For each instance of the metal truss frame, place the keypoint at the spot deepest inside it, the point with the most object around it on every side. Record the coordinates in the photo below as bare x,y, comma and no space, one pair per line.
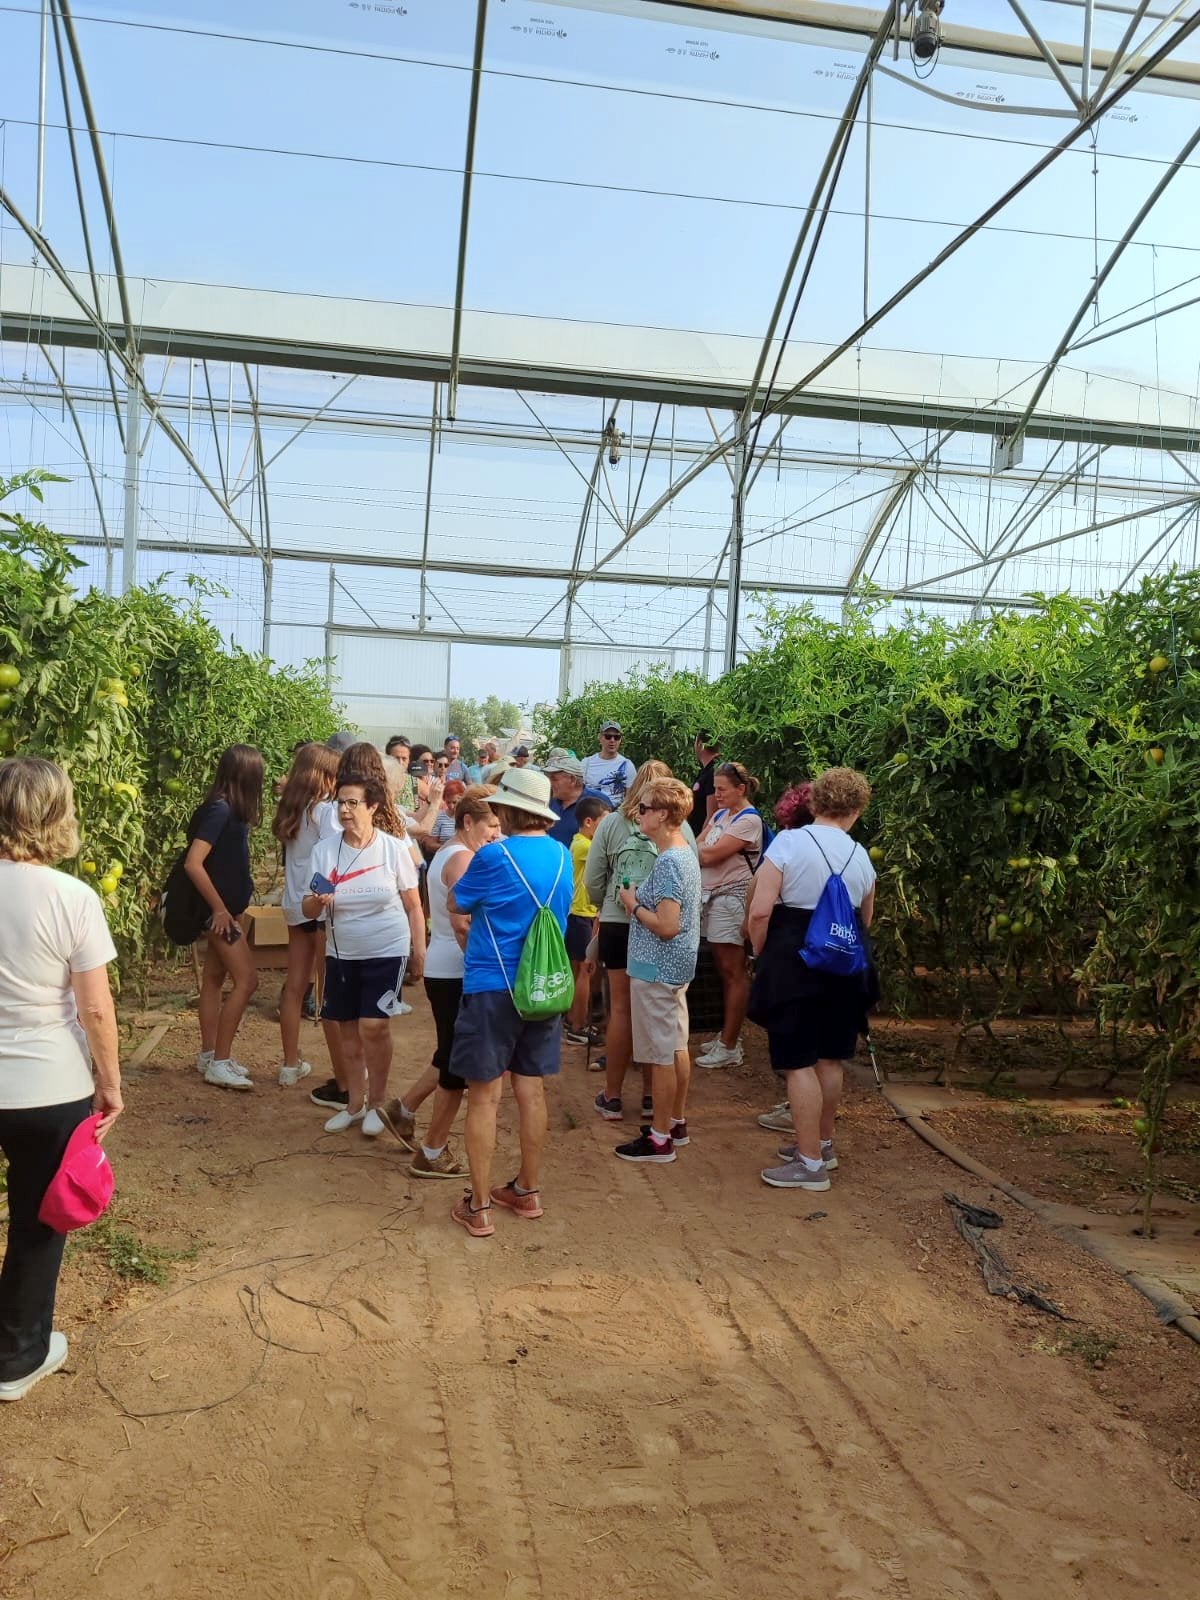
1092,82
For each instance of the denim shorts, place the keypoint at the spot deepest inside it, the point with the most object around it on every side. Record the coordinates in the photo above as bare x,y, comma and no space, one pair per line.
491,1038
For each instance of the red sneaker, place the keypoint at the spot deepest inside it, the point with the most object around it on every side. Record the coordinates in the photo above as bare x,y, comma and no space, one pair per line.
479,1223
528,1205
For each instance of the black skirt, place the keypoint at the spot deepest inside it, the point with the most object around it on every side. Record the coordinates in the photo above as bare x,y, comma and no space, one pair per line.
808,1016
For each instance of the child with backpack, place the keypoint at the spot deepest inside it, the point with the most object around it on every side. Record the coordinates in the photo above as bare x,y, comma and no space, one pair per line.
581,924
813,901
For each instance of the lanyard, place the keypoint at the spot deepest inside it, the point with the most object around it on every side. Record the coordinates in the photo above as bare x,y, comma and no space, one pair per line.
338,874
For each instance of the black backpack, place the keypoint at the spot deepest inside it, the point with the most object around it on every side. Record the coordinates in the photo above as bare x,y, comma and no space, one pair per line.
182,909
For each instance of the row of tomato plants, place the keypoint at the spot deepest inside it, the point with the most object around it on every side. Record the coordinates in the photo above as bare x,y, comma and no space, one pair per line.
135,696
1036,810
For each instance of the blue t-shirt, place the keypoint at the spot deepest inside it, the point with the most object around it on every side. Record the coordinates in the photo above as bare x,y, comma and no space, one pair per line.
675,875
567,826
491,889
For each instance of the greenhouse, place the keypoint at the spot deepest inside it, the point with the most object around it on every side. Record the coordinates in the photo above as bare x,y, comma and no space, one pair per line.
799,299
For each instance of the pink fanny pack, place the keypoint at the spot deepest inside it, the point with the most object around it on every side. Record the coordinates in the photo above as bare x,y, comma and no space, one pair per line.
82,1187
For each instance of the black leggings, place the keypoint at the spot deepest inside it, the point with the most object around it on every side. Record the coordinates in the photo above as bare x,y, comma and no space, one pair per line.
34,1142
445,997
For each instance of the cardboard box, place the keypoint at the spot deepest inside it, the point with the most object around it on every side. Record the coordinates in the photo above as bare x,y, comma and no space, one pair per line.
267,935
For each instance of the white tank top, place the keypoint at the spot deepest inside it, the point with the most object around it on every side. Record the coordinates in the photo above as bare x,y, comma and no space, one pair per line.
444,957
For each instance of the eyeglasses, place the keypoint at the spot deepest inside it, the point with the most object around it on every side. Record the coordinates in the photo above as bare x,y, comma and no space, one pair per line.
353,805
642,810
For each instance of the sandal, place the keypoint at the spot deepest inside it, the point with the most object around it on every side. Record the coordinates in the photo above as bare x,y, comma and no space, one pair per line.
478,1223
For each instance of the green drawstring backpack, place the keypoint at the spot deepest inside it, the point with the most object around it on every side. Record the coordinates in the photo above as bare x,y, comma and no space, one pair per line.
545,983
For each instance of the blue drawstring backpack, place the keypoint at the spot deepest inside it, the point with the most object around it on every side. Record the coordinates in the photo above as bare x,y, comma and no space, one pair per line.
833,943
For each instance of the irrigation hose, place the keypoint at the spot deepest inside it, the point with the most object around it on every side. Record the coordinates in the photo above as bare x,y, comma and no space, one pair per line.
1169,1307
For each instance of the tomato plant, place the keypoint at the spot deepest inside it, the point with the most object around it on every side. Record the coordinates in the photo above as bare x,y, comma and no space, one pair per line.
135,697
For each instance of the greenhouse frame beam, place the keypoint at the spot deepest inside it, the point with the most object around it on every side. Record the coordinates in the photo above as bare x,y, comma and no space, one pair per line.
1049,57
464,226
563,575
880,525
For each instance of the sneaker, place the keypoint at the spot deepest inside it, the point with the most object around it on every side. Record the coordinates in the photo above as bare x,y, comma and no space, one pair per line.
679,1135
289,1077
597,1063
345,1119
227,1075
778,1119
403,1009
477,1223
328,1094
18,1388
443,1166
721,1057
645,1148
796,1175
709,1045
204,1060
791,1152
525,1205
401,1126
647,1105
372,1124
610,1110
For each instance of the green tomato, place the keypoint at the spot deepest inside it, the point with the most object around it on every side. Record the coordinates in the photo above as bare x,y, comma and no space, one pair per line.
1016,928
9,677
900,759
115,870
1016,808
176,753
90,868
8,739
875,853
1141,1127
6,702
173,786
1158,663
109,884
1003,921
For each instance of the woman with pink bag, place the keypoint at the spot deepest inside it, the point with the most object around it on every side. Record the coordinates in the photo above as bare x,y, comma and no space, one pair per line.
58,1050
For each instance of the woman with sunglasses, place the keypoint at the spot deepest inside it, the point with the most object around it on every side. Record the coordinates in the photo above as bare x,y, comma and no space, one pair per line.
664,939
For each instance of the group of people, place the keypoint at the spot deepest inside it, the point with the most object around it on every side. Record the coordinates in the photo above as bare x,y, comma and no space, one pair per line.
410,865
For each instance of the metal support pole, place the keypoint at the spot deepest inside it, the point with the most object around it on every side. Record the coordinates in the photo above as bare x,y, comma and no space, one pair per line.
737,531
573,583
329,629
43,47
422,617
133,412
708,623
1085,68
1047,54
268,580
465,219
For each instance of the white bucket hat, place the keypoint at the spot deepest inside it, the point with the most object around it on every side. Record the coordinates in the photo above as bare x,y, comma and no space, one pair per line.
525,790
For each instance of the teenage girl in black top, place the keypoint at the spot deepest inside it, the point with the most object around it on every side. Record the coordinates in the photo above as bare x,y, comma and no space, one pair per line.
218,863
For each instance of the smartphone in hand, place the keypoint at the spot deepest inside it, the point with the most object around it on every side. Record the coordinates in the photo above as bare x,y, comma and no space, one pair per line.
321,885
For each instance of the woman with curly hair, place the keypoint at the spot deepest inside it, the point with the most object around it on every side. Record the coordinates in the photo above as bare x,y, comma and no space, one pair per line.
812,1018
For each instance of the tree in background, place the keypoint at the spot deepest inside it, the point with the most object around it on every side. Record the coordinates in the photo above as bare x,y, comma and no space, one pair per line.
472,720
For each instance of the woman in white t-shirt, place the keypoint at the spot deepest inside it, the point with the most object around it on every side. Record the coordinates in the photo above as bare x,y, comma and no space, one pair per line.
813,1018
304,816
475,824
375,931
58,1048
730,846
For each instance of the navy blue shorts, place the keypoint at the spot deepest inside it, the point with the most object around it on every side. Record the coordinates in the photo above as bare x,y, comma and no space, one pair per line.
579,936
355,989
491,1038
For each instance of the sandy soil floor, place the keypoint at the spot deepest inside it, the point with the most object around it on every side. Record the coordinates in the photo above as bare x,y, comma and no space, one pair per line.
679,1382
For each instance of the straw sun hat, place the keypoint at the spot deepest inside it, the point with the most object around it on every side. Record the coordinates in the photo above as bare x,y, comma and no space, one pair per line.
523,790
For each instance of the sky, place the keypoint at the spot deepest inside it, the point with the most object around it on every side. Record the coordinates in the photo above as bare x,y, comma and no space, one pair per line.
325,157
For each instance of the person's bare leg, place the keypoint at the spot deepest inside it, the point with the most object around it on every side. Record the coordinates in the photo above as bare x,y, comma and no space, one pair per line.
829,1076
354,1066
483,1100
333,1043
577,1015
683,1078
208,1006
302,955
663,1091
730,962
619,1043
530,1095
445,1108
804,1097
421,1090
376,1035
238,960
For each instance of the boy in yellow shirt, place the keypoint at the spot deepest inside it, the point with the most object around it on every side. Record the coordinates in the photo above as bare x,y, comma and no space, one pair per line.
581,924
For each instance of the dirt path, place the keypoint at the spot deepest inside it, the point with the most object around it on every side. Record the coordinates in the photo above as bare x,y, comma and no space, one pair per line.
678,1383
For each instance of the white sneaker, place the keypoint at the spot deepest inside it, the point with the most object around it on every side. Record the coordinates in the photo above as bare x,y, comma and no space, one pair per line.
18,1388
404,1009
372,1124
290,1076
707,1048
227,1075
205,1060
778,1119
721,1057
341,1120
